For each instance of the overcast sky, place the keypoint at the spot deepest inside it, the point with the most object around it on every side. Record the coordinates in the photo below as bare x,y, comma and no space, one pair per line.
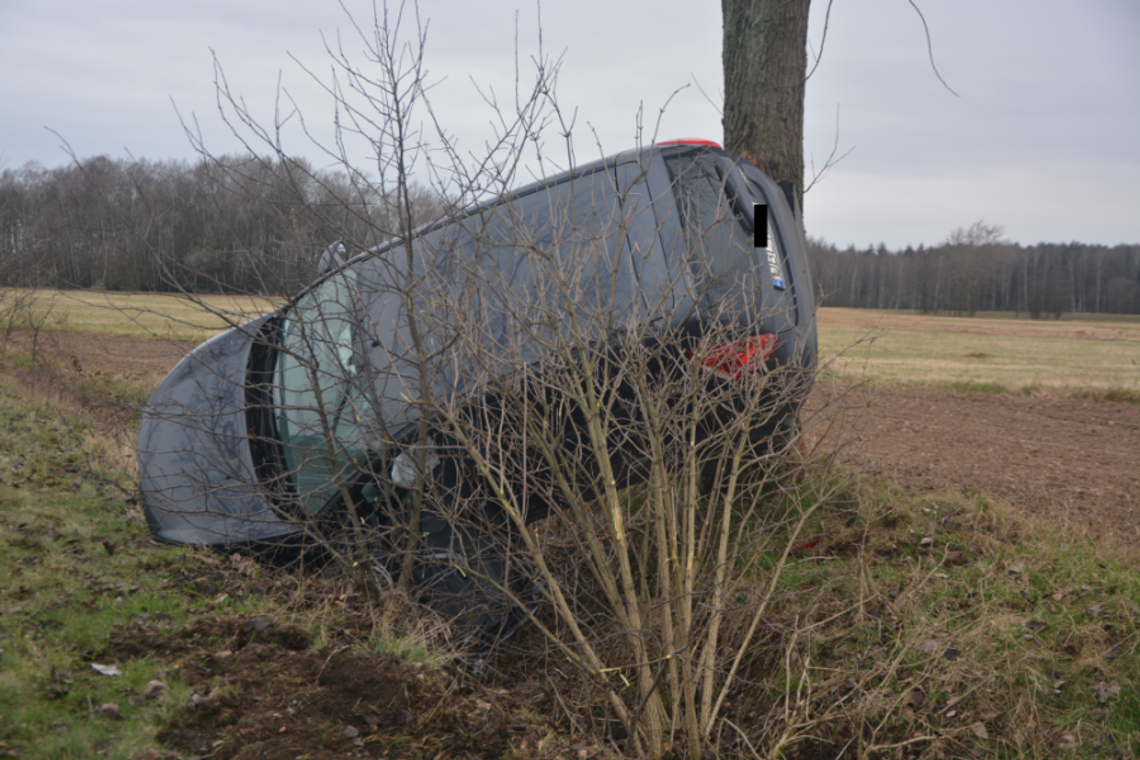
1044,138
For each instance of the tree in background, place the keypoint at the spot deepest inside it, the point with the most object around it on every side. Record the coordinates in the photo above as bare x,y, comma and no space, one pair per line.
975,271
975,267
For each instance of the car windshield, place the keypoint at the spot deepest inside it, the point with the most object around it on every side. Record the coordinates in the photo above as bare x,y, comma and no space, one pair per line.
323,412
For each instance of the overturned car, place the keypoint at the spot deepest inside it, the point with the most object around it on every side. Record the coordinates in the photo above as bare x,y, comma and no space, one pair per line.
463,370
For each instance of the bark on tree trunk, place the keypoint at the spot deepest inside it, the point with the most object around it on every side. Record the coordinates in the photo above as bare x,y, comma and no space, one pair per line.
765,62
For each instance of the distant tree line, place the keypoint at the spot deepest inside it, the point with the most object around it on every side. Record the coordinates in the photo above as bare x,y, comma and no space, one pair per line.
975,270
256,225
221,224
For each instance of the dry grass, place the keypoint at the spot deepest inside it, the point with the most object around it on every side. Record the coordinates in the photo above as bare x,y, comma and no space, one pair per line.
937,626
146,315
107,438
995,353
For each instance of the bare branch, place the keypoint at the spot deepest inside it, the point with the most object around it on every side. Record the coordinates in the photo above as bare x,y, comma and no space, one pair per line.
822,41
831,160
930,48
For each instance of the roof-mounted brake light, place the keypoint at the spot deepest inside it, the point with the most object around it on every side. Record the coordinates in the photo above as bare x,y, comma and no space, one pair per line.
691,141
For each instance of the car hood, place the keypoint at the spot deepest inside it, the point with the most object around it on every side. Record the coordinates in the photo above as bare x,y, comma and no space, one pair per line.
196,472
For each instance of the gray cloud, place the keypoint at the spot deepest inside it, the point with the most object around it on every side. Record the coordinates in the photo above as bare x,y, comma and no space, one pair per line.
1044,138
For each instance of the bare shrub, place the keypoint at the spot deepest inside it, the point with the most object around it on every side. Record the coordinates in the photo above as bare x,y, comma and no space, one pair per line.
420,412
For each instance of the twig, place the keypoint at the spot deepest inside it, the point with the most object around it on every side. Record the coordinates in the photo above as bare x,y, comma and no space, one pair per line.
822,41
831,160
930,49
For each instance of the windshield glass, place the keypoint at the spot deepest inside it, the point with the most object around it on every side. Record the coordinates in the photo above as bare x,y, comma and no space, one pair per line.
323,413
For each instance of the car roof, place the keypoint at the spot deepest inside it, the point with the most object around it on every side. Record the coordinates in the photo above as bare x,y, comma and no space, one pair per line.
581,170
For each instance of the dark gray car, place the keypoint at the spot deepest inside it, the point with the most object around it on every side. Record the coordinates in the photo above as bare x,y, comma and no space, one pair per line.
261,428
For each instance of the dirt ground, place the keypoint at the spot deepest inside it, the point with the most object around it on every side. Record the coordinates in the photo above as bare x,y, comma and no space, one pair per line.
260,689
1074,460
145,361
1071,459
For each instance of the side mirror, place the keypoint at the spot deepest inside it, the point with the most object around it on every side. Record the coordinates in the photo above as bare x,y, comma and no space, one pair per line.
332,258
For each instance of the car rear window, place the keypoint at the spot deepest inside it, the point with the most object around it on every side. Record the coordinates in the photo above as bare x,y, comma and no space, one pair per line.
717,235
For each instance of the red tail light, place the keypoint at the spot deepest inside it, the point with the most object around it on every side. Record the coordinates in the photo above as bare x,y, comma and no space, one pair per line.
738,357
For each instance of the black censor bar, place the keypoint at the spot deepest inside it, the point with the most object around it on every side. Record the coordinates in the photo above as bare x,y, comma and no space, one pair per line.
760,225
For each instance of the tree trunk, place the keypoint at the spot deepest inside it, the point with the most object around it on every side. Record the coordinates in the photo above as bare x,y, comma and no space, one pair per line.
765,62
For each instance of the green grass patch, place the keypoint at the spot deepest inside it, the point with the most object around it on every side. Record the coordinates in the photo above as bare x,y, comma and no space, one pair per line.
950,624
82,584
1115,395
407,648
974,386
77,564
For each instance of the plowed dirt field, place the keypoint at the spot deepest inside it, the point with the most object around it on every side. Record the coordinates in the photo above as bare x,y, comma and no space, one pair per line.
1073,460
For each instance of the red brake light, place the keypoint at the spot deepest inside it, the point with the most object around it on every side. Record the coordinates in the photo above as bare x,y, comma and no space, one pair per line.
741,356
691,141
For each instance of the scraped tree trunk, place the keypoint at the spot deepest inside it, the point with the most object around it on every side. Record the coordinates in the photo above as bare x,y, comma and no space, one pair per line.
765,62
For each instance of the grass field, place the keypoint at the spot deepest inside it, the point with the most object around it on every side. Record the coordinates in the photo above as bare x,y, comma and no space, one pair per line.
910,625
993,353
137,315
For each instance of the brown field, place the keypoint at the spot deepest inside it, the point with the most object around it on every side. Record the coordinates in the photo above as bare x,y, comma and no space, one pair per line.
1036,436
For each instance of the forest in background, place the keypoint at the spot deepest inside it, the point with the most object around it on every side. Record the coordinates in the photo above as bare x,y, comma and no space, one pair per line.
218,225
244,224
975,270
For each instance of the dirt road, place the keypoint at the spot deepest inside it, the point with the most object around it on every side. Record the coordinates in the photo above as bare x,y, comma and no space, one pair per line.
1073,460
